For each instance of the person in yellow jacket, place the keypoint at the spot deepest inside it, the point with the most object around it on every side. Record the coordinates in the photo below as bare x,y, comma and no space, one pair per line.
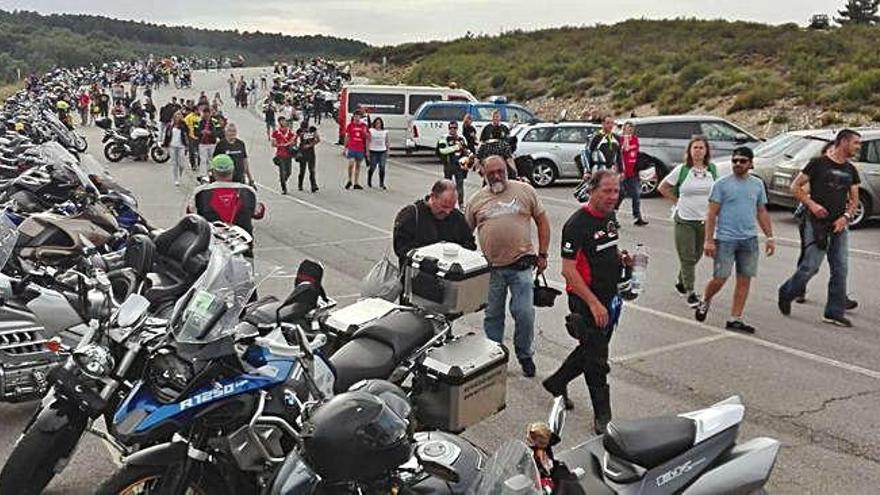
190,119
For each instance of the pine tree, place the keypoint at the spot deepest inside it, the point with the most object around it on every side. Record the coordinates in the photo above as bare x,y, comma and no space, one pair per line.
859,12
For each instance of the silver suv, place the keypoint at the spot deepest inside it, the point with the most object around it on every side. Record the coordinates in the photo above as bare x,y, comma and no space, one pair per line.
663,140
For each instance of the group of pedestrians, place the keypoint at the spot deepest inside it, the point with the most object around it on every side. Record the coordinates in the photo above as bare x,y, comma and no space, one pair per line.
365,141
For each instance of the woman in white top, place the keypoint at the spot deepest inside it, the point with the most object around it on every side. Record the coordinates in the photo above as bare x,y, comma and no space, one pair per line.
377,146
688,187
175,140
218,102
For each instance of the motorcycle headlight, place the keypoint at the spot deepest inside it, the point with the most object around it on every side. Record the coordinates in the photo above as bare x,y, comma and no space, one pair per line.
94,360
168,375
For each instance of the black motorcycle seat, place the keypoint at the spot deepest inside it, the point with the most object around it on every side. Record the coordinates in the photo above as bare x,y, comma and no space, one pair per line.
185,244
403,332
649,442
361,359
263,312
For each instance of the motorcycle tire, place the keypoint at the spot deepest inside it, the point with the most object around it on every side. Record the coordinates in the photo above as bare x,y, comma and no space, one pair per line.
159,154
36,457
80,144
129,478
114,152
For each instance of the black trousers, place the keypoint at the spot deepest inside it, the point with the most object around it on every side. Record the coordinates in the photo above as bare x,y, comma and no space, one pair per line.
455,173
284,171
589,358
307,161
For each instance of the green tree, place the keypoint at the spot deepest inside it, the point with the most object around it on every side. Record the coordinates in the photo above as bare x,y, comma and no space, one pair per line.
859,12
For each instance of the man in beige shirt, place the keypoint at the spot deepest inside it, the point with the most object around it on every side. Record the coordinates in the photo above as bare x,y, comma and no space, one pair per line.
503,212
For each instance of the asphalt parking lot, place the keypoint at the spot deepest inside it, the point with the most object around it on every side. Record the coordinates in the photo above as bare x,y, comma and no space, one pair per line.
813,386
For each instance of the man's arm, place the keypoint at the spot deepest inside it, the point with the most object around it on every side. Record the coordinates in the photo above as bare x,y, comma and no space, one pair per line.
711,221
580,289
767,228
404,237
543,223
799,191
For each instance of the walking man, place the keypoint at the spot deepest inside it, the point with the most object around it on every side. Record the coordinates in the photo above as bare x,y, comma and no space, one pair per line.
731,237
833,195
591,266
503,212
207,130
282,139
235,148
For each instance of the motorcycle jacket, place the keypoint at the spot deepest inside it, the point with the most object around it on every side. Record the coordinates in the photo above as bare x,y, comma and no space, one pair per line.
228,202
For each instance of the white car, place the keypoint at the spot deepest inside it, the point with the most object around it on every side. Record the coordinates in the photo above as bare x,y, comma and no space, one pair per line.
431,121
553,148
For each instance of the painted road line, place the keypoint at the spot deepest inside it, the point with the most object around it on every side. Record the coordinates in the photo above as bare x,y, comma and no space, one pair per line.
668,348
322,244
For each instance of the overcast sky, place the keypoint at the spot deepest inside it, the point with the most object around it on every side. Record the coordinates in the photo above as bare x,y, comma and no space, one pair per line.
381,22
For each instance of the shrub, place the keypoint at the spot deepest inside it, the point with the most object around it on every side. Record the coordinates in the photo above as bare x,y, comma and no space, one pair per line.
830,119
693,72
862,88
759,96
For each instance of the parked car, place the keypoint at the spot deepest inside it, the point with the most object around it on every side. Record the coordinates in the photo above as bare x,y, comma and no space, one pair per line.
553,148
779,148
867,163
430,121
663,141
394,104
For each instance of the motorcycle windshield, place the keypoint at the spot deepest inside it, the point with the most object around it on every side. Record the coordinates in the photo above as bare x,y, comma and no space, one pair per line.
8,238
216,299
512,470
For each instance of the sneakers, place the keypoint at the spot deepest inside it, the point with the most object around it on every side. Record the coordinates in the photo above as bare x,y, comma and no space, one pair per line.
800,299
739,326
693,300
701,311
640,222
840,321
348,185
679,287
176,183
569,405
358,186
528,367
851,304
314,189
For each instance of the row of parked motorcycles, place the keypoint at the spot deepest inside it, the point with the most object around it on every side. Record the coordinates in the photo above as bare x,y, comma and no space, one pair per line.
155,341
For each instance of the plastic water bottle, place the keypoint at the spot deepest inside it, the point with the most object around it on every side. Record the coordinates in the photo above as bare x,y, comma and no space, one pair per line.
640,269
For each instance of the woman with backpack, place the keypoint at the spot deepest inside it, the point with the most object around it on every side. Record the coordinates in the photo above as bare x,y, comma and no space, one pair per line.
688,187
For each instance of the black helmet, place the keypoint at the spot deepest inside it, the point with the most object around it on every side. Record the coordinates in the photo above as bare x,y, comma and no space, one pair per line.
356,436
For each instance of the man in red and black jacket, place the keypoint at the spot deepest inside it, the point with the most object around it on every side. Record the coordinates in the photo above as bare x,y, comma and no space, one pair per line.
591,265
227,201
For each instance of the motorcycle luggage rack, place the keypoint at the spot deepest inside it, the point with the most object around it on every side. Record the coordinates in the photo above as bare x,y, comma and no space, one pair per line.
233,236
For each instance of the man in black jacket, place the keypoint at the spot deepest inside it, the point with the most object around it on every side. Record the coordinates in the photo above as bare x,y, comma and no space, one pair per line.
166,114
431,220
604,149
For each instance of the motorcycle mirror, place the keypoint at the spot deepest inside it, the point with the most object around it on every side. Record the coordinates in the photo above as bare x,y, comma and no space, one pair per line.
132,310
557,416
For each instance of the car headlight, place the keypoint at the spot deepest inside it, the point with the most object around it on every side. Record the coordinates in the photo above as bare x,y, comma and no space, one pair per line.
94,360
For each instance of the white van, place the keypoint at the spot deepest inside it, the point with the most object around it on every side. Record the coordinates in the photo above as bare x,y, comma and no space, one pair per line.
394,104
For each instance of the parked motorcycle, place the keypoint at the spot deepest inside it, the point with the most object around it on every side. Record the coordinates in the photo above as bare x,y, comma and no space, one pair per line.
135,142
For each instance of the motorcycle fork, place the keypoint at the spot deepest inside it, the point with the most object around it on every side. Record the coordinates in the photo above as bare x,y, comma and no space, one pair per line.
175,481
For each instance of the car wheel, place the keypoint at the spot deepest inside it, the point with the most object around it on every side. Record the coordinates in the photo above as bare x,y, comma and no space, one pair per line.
543,173
861,214
649,180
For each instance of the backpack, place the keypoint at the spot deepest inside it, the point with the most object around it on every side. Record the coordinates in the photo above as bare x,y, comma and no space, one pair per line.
683,173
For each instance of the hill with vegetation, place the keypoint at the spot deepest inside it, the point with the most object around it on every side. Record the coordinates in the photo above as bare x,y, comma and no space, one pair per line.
665,67
33,42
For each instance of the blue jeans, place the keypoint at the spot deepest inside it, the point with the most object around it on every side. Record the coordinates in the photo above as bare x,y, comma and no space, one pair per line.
377,159
632,188
811,260
520,283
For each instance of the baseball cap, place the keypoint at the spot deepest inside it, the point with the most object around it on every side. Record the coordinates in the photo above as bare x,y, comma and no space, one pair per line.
744,151
222,164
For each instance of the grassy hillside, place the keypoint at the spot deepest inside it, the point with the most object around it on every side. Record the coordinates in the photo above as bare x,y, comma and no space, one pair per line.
34,42
674,66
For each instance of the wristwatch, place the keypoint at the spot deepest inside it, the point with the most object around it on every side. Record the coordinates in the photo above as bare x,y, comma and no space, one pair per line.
847,216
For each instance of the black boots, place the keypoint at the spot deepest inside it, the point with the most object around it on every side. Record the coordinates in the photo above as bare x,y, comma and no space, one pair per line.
601,399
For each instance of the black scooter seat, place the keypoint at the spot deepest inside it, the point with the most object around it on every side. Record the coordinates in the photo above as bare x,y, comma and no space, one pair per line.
649,442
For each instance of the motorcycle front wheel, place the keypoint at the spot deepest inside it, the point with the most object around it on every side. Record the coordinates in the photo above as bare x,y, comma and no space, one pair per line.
80,144
141,480
159,154
39,454
114,152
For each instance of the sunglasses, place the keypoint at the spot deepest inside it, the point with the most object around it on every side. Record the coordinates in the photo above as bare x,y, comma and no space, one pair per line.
452,128
738,161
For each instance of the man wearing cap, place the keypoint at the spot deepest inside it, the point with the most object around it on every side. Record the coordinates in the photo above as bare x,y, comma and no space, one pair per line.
735,202
226,200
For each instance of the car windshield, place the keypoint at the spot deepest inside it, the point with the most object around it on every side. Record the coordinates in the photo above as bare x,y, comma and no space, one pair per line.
811,148
776,144
216,300
511,470
8,238
484,112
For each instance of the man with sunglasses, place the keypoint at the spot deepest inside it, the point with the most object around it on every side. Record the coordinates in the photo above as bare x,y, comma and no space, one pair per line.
735,202
451,149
